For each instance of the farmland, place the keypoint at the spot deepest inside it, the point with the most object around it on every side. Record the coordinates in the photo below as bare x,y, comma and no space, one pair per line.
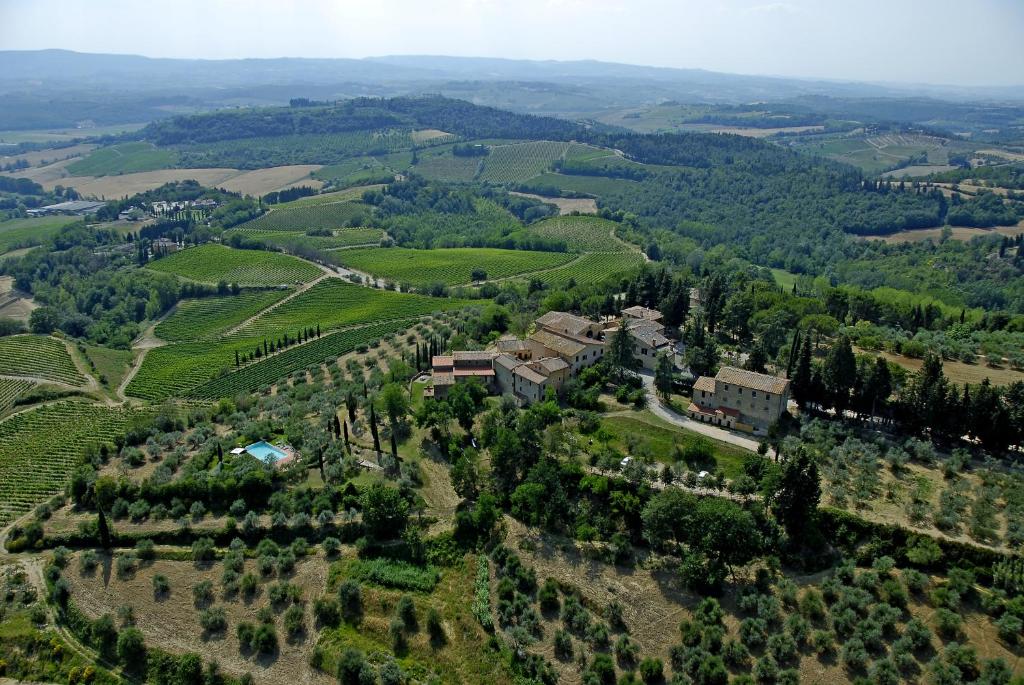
289,241
447,167
594,267
315,217
211,316
16,233
334,303
40,447
349,194
214,263
38,356
321,149
581,233
125,158
589,185
521,161
450,266
10,390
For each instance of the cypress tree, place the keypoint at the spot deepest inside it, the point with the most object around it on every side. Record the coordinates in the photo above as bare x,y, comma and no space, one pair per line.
337,427
344,427
802,380
373,430
236,359
264,346
102,528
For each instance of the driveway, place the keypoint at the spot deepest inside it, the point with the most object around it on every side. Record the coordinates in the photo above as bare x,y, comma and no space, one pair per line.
715,432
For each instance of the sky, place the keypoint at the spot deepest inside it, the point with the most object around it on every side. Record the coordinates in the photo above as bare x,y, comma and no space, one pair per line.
980,42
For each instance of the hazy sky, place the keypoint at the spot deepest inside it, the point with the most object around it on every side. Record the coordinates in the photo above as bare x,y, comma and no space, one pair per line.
978,42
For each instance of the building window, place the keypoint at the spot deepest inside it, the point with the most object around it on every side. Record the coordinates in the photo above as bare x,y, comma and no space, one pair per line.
739,391
727,387
753,393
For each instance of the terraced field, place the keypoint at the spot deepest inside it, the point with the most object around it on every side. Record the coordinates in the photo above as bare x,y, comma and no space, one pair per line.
594,268
343,237
581,233
10,390
319,216
334,303
451,266
521,161
209,317
39,448
212,263
38,356
16,233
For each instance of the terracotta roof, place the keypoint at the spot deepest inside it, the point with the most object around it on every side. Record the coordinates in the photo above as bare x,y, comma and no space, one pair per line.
638,312
472,355
558,343
649,336
442,360
752,380
529,374
705,383
473,372
565,322
507,361
510,345
551,364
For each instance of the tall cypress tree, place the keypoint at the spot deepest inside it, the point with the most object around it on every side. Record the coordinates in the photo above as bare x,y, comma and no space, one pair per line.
373,430
344,427
802,379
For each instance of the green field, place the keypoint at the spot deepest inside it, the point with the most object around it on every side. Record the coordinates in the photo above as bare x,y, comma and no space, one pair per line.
784,278
177,369
451,266
38,356
319,216
661,440
124,158
334,303
347,195
445,166
594,267
589,185
340,238
211,317
17,233
581,233
212,263
521,161
39,449
10,390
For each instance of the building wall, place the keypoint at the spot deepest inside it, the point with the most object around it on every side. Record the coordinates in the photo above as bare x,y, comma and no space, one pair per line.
504,379
591,355
757,408
647,356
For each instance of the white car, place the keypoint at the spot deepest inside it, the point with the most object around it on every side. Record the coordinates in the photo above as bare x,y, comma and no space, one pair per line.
626,462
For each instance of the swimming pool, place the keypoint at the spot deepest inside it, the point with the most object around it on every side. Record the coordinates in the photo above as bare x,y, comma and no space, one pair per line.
265,452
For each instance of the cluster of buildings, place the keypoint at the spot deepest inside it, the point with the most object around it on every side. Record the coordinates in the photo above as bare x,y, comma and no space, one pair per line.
168,206
72,207
562,345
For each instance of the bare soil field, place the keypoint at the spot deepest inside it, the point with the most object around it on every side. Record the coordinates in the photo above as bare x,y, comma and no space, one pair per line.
14,304
172,622
566,205
958,233
262,181
427,135
38,157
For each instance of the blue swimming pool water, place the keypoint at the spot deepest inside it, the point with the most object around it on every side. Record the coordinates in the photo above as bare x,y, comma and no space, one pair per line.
265,452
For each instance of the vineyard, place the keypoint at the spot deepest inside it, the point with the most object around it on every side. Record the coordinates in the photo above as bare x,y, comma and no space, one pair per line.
38,356
15,233
212,316
126,158
255,376
334,303
581,233
594,267
39,449
312,217
521,161
175,370
268,151
447,167
214,263
10,390
341,238
347,195
450,266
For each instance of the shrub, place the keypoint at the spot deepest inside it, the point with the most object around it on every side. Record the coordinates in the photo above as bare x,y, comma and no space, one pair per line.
131,648
294,620
264,640
1010,628
947,623
735,654
406,613
397,574
598,636
548,596
331,547
854,655
783,647
88,561
651,670
203,550
125,565
249,584
435,628
391,673
563,644
245,632
350,599
396,630
625,649
327,611
614,615
917,634
753,632
799,628
213,620
915,581
234,561
161,586
766,670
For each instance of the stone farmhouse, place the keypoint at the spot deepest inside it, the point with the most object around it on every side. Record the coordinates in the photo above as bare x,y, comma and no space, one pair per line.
739,399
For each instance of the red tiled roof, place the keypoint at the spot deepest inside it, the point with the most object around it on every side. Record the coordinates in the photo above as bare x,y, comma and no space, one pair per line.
473,372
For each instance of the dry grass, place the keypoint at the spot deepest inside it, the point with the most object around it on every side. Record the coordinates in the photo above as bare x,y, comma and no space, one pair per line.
959,372
47,176
427,135
566,205
262,181
956,233
49,155
172,622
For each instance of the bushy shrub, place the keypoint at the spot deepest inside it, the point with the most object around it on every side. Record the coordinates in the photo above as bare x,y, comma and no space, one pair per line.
854,654
563,644
783,647
651,670
406,613
735,654
294,620
202,593
203,550
947,623
161,586
145,549
213,620
350,599
327,611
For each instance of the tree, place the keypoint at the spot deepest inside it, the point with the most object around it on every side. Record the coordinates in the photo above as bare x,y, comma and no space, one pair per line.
839,374
792,493
465,400
104,493
620,353
131,649
664,374
385,511
878,385
373,430
395,404
803,379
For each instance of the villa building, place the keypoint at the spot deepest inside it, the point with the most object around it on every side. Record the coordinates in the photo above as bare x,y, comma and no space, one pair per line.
740,399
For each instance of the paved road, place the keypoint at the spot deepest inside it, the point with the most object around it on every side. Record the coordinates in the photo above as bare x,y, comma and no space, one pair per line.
717,433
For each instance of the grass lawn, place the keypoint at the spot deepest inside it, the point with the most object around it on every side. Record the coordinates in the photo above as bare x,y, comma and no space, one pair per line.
111,364
661,438
784,278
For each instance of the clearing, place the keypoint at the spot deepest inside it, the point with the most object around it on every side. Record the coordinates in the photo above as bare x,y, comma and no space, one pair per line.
566,205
